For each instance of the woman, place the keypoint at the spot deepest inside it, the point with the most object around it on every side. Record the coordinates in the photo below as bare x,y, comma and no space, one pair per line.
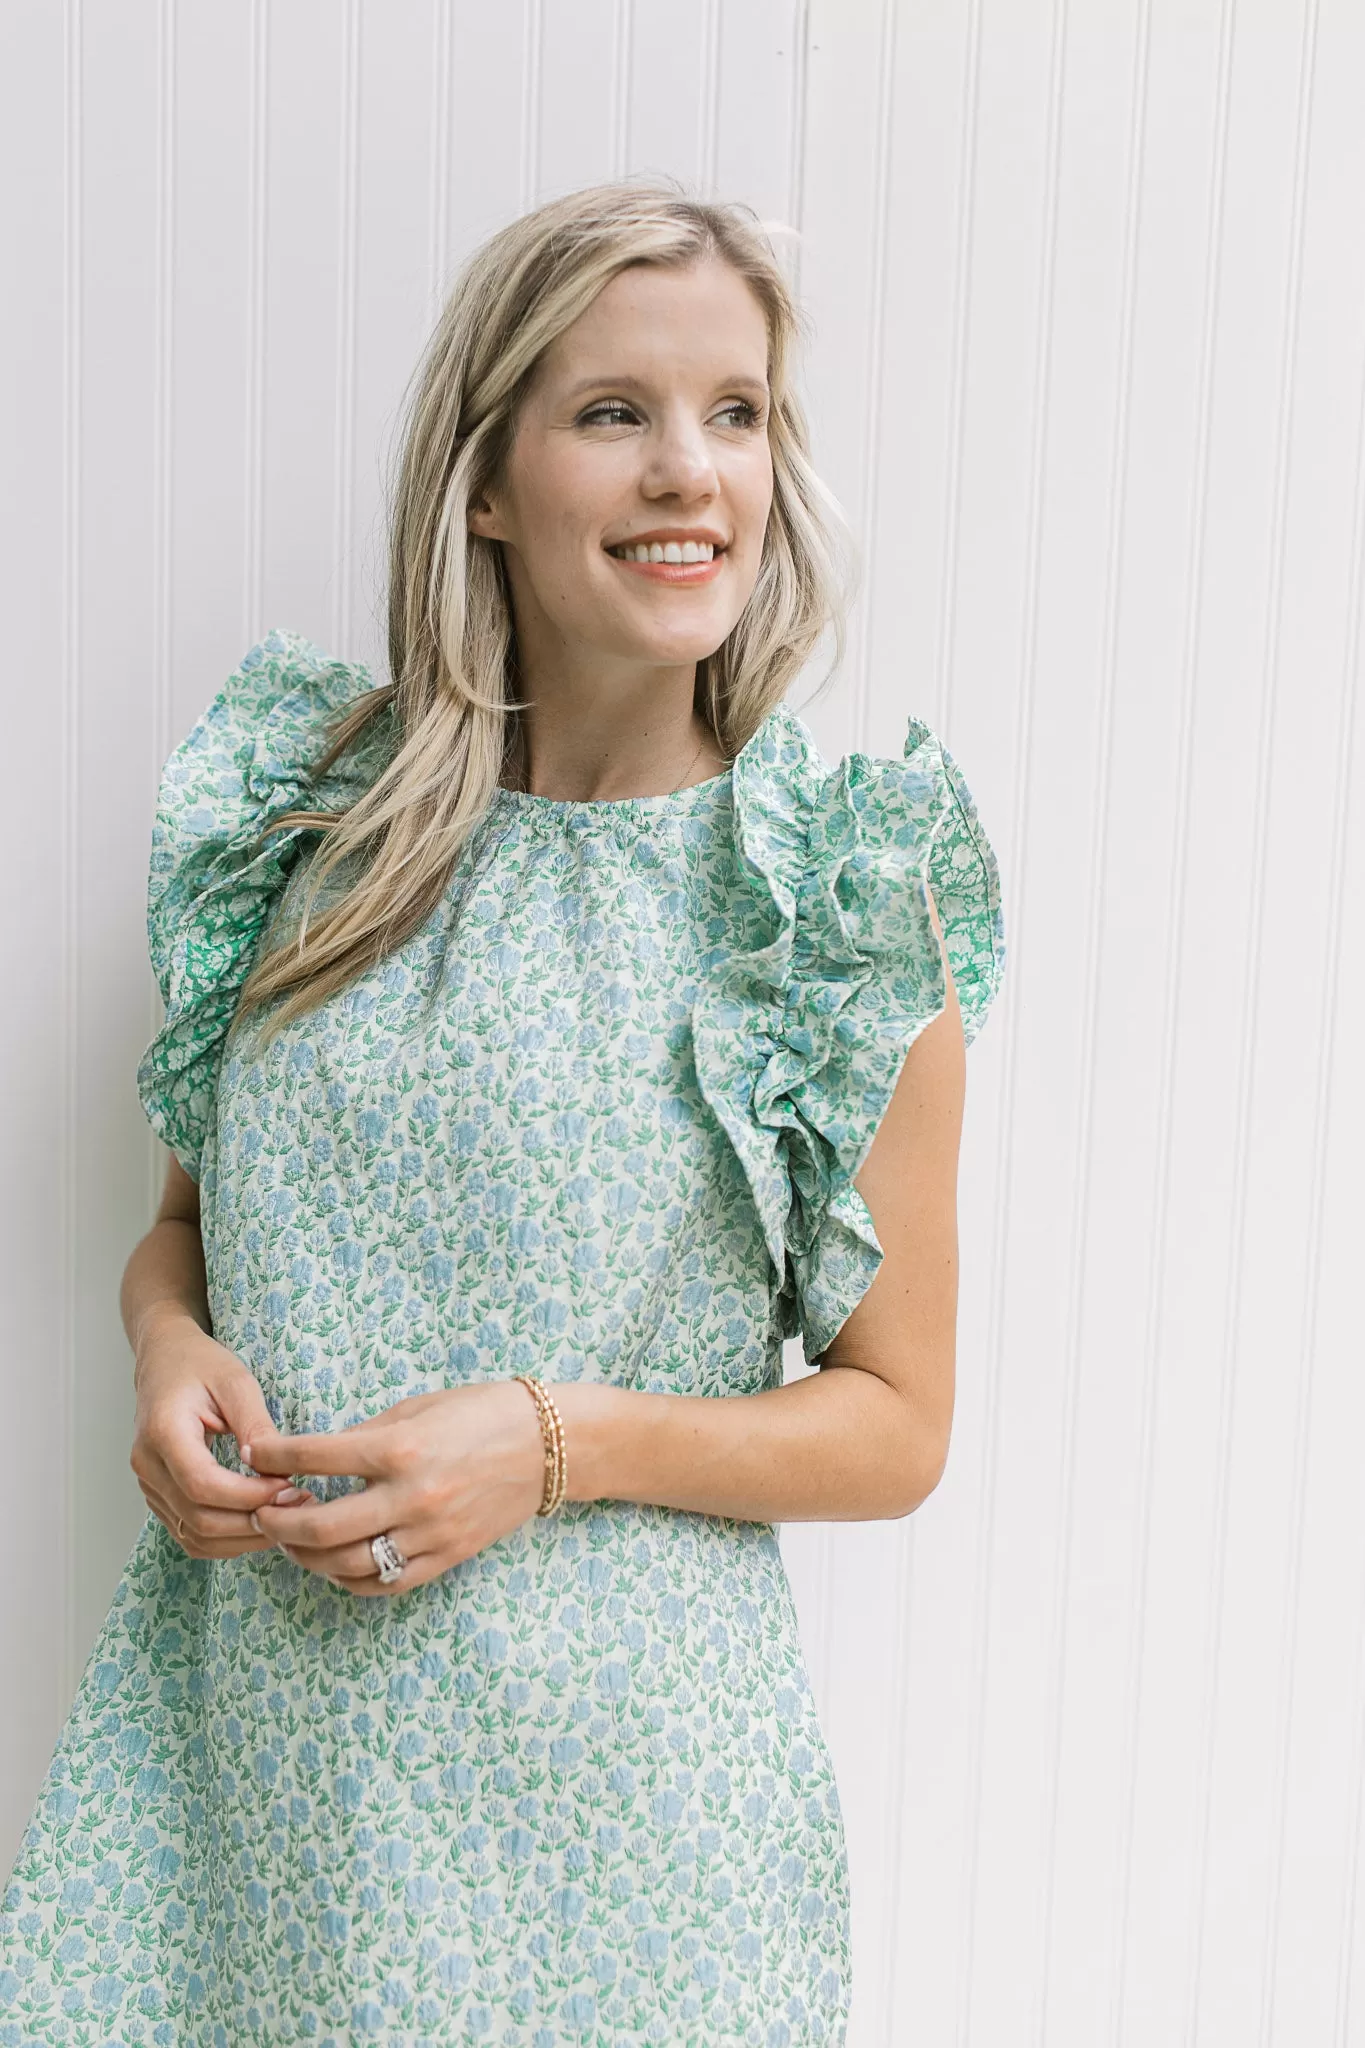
549,1034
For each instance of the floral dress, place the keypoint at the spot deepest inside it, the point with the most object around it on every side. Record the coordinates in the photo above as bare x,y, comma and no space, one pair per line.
598,1118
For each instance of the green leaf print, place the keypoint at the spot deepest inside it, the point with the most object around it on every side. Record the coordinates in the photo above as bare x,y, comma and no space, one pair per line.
598,1118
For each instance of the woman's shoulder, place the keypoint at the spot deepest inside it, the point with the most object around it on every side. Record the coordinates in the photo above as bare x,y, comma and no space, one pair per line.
829,970
843,853
216,869
262,727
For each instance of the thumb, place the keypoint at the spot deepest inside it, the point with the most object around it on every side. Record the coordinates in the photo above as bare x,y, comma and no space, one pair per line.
244,1411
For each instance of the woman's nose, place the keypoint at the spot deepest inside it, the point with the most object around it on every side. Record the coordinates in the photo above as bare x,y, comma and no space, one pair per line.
681,460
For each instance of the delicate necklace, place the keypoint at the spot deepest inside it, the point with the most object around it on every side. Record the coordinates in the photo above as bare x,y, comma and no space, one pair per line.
688,770
677,785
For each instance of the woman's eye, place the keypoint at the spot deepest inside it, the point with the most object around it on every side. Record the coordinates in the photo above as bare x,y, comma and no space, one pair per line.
750,412
599,414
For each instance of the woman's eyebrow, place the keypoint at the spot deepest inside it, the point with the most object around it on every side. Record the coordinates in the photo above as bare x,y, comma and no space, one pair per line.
742,382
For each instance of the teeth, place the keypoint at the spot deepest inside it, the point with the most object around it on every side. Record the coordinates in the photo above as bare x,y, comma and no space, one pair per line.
666,551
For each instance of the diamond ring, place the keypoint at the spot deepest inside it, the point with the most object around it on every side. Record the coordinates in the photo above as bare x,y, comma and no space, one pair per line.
388,1557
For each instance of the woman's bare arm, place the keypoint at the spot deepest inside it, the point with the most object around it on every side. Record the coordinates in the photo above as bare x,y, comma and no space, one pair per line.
163,1282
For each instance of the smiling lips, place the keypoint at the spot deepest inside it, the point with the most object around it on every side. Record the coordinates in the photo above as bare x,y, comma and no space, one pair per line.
670,561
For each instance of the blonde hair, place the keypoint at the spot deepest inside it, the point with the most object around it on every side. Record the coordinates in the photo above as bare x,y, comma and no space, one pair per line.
451,638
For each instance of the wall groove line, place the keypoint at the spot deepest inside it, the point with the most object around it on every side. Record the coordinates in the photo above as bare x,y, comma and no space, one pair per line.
869,524
796,156
1154,1292
708,97
979,1683
530,105
162,712
257,275
870,467
1284,1706
1245,1082
1038,476
348,287
622,98
1351,668
70,642
439,164
1119,473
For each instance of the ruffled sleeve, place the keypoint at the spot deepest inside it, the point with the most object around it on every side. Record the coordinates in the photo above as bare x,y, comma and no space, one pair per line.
829,972
210,887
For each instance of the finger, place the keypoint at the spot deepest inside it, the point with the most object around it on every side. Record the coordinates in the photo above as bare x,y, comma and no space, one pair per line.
328,1525
160,1508
178,1529
206,1523
368,1585
222,1546
354,1452
164,1509
190,1470
244,1411
182,1514
205,1495
185,1469
350,1560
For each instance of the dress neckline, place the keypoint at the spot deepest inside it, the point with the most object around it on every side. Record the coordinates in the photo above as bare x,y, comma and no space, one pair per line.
615,806
778,719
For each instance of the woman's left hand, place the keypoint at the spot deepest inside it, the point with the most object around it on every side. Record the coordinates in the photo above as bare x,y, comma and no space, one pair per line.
445,1474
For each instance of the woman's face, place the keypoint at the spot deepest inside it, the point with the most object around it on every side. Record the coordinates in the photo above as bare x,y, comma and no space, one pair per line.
647,420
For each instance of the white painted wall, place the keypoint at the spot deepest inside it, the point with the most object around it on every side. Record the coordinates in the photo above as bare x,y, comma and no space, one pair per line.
1089,282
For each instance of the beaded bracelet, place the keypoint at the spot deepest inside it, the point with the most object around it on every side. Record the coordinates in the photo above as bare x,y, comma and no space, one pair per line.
556,1457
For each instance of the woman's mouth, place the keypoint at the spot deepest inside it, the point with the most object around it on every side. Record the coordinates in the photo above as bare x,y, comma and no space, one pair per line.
670,561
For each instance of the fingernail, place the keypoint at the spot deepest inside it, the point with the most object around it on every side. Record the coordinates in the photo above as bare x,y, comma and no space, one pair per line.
289,1496
246,1454
256,1523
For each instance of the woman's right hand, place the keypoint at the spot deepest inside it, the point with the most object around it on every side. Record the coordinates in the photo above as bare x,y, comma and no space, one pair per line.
189,1387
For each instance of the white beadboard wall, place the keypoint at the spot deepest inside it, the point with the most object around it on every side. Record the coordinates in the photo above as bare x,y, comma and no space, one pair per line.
1089,285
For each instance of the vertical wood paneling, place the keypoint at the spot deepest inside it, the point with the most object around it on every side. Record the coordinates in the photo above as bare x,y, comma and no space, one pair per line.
66,1092
1105,97
304,228
161,729
1176,315
1088,374
349,168
1250,1577
402,91
114,350
33,1250
1307,1948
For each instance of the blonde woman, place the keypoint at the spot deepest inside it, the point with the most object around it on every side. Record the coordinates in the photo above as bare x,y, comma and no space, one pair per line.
549,1034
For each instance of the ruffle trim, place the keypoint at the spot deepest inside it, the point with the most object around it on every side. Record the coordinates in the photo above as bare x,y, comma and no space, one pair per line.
210,891
808,1010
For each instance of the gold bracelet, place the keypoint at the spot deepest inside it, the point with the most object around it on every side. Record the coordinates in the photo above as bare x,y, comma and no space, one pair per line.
556,1456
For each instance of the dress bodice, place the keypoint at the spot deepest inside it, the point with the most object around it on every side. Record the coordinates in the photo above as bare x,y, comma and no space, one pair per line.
602,1112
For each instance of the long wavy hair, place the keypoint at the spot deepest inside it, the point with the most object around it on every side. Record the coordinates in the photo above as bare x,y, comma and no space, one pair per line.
448,719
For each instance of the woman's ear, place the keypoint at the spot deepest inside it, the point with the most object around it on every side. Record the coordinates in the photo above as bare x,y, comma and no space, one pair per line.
482,520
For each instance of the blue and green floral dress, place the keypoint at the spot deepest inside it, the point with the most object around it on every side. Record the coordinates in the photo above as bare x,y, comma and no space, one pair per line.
598,1118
